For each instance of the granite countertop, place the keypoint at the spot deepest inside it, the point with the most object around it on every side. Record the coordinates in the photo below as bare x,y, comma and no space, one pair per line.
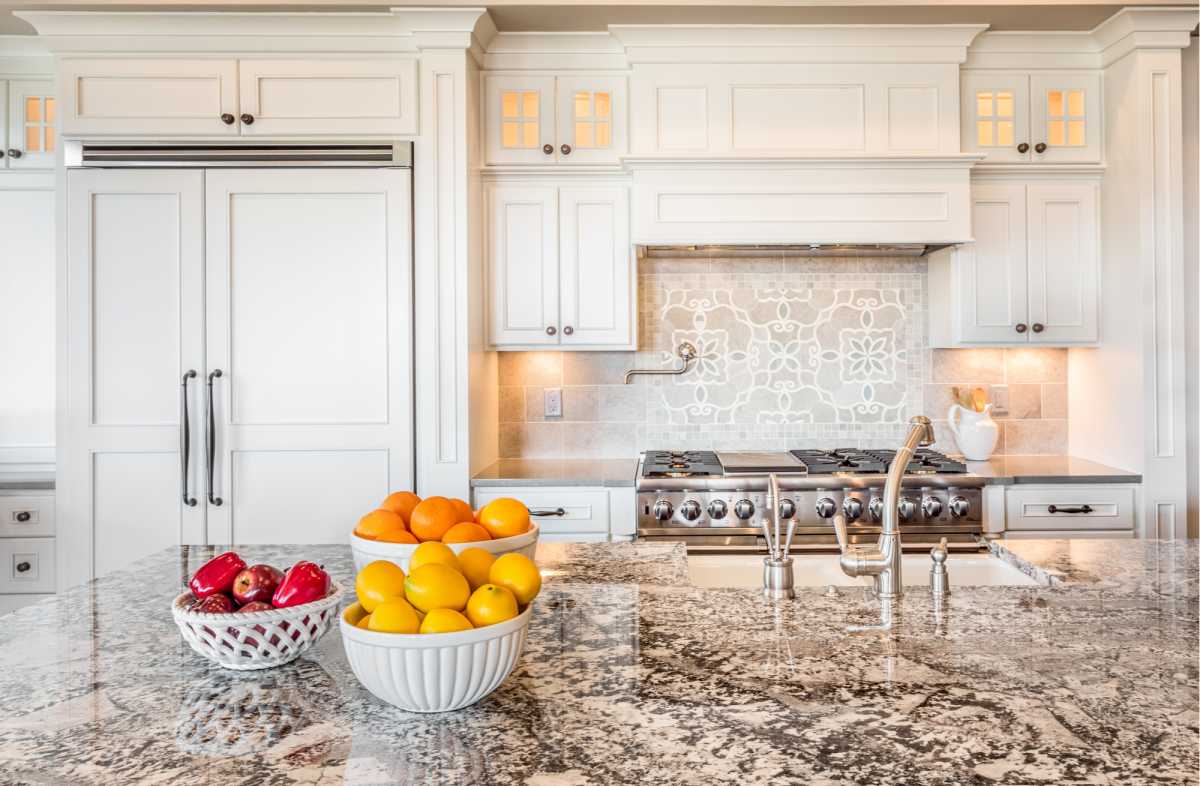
557,472
632,675
1010,470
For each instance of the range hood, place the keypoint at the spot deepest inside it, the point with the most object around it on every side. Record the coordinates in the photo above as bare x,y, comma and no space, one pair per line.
858,250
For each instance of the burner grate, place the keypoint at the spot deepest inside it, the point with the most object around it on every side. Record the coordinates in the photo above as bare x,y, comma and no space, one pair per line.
681,464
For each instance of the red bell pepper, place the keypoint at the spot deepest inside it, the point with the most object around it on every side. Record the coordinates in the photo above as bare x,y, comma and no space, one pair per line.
216,575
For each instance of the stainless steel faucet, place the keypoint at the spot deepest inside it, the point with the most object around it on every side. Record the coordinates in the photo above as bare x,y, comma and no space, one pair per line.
778,579
884,560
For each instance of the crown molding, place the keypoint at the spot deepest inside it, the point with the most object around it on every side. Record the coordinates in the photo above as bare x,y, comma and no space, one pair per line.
24,55
1144,28
555,51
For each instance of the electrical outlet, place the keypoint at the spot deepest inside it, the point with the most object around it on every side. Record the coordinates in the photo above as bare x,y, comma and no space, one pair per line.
553,402
999,396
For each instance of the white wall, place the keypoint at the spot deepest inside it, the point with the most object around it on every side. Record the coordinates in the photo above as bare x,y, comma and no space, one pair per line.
1191,271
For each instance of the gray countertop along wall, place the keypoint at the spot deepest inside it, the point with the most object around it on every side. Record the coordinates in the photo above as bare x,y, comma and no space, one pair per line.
1000,470
27,481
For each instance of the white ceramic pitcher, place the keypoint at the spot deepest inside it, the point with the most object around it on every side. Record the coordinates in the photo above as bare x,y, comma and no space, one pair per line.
975,432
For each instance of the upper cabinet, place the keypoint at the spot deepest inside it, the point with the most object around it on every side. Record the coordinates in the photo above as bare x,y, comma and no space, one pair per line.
531,119
1050,117
249,97
31,108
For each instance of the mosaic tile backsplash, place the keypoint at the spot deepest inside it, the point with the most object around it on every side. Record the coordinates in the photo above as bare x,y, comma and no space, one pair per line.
794,353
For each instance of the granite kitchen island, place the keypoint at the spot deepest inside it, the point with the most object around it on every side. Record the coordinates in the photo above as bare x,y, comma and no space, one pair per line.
631,675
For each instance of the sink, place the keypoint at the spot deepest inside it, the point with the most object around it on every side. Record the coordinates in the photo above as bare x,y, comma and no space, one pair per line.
822,570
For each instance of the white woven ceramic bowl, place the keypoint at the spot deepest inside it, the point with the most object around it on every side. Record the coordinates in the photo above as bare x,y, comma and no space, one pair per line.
367,551
435,672
257,639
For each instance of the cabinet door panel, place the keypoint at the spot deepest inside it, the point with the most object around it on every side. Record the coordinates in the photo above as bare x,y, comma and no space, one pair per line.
595,262
1063,264
1065,112
314,97
148,97
591,119
995,115
31,124
519,120
522,260
309,281
992,271
135,296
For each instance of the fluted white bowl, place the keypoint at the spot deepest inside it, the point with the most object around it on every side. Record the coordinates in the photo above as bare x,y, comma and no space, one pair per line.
435,672
367,551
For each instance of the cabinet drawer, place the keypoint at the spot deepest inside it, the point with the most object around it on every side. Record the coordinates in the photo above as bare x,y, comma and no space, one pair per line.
582,510
10,603
1069,508
27,565
26,517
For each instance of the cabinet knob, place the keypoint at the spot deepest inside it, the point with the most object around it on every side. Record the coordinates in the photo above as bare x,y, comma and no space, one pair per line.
23,567
548,149
1040,147
1038,327
14,153
24,516
1023,147
550,331
568,330
227,119
248,119
1022,327
566,150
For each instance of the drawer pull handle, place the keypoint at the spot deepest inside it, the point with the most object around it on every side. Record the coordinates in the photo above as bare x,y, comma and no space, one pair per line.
23,567
555,512
1070,509
24,516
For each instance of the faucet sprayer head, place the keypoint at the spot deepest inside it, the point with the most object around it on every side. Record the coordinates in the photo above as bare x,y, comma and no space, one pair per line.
923,423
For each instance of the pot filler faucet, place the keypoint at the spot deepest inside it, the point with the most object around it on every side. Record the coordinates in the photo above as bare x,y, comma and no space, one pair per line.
883,561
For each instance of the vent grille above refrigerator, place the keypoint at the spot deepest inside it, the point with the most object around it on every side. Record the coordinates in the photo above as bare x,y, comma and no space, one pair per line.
113,155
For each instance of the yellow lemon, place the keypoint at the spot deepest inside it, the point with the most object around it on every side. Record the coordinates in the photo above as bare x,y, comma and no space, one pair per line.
491,604
475,564
437,586
364,623
444,621
354,612
431,552
517,573
394,616
377,582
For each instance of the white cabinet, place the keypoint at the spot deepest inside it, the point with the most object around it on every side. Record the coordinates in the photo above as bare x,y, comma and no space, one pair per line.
533,119
1043,117
570,513
1069,510
27,547
1030,277
250,97
284,291
560,267
32,140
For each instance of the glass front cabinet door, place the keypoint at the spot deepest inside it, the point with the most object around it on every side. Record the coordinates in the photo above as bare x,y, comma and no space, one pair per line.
588,127
548,120
1032,118
995,108
31,125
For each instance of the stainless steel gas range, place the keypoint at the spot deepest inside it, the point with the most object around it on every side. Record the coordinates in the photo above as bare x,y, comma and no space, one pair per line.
714,500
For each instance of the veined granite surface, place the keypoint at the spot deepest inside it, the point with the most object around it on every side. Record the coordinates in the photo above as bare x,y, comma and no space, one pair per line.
632,676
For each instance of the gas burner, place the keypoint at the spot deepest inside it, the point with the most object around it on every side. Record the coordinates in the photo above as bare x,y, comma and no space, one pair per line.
681,464
875,461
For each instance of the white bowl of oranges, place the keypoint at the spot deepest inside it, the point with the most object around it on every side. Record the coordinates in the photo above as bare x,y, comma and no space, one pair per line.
444,633
403,521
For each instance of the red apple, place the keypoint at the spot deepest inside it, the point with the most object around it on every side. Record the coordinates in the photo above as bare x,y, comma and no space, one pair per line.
214,604
216,575
256,583
303,583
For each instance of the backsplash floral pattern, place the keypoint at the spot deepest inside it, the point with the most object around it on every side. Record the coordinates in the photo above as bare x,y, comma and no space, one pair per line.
794,353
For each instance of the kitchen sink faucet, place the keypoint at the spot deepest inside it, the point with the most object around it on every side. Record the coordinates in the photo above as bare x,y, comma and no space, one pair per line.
883,561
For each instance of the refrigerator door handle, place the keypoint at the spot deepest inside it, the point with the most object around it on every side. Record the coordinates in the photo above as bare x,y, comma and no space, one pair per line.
210,440
185,439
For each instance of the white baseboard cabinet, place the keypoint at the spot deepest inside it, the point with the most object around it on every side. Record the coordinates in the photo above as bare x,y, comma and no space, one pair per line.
1070,511
571,514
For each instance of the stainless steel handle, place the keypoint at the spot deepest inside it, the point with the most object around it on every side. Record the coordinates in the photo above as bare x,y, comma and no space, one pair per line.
210,441
839,530
1069,509
14,153
185,439
555,512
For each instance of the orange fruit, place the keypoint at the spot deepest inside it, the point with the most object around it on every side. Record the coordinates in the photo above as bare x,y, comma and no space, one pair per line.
504,518
491,604
465,532
432,517
462,510
379,523
401,502
400,536
518,574
433,551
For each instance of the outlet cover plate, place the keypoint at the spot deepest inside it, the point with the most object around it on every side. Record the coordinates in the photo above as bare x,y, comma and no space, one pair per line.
999,396
553,403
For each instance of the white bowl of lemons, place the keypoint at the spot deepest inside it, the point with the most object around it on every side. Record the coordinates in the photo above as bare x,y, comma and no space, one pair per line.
394,530
443,634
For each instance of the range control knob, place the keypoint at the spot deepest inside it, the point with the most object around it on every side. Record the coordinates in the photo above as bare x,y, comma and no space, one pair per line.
826,507
875,508
717,509
931,507
959,507
787,509
743,508
690,510
663,510
906,508
852,507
